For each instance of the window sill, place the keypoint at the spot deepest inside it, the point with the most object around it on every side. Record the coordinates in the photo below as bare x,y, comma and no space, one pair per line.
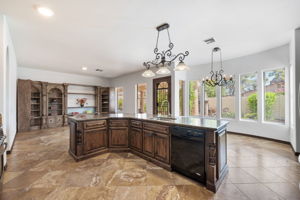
275,123
248,120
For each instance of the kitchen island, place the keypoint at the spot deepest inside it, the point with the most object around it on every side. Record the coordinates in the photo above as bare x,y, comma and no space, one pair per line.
149,137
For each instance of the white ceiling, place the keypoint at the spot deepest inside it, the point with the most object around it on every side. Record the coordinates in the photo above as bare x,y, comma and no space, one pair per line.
119,35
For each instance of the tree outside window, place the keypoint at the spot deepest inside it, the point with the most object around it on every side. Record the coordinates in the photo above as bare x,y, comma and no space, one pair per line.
248,85
181,97
194,97
274,95
120,99
141,98
228,102
210,101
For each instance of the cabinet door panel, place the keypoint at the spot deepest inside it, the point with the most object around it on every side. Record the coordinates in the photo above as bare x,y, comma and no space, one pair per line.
118,137
136,139
148,146
161,147
95,139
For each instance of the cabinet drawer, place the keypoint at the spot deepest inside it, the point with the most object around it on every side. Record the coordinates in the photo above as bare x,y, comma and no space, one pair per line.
118,123
156,127
94,124
137,124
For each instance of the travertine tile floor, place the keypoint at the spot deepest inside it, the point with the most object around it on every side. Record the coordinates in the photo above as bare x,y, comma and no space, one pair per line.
40,168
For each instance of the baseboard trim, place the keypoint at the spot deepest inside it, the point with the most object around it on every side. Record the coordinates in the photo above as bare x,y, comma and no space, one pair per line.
12,146
296,153
265,138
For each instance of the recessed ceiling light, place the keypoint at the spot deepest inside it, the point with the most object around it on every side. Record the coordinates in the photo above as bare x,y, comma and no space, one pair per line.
47,12
84,68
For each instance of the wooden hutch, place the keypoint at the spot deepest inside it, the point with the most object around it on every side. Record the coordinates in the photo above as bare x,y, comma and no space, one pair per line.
43,105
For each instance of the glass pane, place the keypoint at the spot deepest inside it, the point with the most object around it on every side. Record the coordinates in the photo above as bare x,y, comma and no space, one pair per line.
120,98
162,85
274,101
181,98
162,101
228,102
141,98
194,97
210,103
249,96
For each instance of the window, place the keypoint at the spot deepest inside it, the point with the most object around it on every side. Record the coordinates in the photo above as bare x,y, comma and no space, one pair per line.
194,97
120,98
228,102
274,95
181,97
141,98
248,84
210,101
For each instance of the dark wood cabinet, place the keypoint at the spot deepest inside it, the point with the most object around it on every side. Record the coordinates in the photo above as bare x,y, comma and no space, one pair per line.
118,133
136,139
162,147
148,146
24,105
146,139
40,105
118,137
94,140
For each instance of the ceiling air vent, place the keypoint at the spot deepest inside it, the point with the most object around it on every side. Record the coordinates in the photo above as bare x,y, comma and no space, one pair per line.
209,40
99,70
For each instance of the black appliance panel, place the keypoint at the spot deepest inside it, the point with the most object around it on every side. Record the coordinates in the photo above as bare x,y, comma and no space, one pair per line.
188,152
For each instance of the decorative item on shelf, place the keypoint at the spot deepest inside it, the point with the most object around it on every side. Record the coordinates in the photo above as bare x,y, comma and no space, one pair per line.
218,78
164,59
81,102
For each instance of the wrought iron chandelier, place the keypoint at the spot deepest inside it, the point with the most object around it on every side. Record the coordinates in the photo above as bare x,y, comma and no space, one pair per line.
218,78
164,59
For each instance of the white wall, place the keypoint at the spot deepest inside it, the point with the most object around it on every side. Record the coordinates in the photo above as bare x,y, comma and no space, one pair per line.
59,77
273,58
8,82
295,93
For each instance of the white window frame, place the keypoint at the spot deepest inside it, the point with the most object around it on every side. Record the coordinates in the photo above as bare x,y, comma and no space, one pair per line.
240,98
116,98
286,95
136,97
220,102
201,98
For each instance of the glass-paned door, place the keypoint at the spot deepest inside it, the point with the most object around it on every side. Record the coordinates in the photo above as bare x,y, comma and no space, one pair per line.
162,96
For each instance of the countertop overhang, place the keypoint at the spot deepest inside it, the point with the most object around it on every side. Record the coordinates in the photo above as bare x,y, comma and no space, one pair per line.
191,121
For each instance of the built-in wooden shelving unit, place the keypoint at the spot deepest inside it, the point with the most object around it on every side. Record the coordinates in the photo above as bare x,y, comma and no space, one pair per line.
35,106
104,99
55,104
47,105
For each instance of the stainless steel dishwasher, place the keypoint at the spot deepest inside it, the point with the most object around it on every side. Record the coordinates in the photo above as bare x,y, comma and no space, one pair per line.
187,152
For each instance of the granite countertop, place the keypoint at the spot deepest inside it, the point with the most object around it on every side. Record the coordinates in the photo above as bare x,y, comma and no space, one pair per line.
192,121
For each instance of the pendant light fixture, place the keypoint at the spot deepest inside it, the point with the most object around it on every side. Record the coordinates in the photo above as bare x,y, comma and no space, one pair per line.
164,59
148,73
218,78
